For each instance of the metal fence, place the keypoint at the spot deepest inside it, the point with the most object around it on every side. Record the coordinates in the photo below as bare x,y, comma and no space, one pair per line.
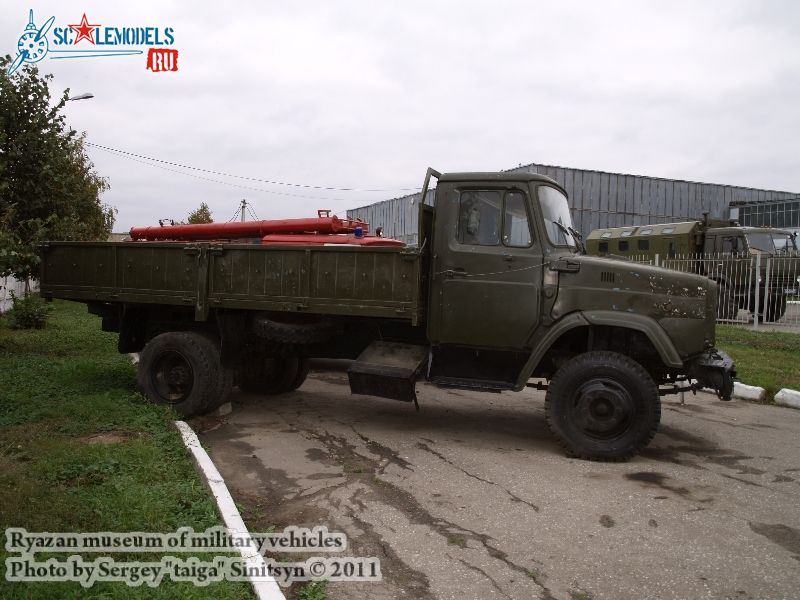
9,285
757,290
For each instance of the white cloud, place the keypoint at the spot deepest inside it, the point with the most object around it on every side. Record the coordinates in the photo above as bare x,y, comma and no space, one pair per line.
368,94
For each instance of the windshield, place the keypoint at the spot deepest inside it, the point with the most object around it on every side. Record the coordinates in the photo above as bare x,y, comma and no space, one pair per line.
771,242
557,218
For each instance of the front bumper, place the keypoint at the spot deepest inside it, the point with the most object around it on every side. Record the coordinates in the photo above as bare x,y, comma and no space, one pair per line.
715,370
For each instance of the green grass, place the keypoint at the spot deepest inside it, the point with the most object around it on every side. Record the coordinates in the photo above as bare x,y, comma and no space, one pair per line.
59,386
315,590
768,359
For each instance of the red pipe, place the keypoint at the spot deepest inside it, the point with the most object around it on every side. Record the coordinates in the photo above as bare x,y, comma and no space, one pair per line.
245,229
322,240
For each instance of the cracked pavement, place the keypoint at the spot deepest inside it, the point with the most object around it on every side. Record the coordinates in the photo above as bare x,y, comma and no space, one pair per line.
472,498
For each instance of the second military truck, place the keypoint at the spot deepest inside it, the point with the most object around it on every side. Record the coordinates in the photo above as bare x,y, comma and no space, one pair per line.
497,293
723,251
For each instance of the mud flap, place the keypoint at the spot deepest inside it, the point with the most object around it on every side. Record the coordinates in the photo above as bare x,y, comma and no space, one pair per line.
714,370
388,370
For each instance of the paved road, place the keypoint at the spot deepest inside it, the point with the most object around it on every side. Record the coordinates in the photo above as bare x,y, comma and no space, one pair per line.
471,498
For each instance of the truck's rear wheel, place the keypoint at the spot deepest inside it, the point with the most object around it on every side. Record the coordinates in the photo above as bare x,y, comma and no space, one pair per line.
183,369
273,374
603,406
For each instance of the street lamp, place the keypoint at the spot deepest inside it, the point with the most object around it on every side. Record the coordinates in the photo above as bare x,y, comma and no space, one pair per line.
85,96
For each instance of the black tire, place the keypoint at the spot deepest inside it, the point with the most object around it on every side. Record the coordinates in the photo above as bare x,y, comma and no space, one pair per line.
602,406
225,380
727,308
272,375
183,369
303,367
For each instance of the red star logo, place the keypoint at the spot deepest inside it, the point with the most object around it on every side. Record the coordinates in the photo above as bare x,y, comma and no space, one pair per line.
84,30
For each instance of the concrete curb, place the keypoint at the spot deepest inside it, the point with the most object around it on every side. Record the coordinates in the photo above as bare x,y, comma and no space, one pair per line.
787,397
266,588
754,393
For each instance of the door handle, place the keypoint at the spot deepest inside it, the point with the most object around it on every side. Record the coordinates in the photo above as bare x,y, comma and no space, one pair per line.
508,257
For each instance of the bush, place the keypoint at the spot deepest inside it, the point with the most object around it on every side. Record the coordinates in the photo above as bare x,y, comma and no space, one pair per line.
28,312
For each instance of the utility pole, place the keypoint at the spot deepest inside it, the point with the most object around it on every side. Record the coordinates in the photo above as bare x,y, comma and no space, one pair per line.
244,206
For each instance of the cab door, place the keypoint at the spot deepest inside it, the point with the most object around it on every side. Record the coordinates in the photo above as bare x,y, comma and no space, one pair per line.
486,275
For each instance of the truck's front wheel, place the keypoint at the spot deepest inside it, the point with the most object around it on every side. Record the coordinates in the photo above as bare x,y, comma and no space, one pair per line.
183,369
603,406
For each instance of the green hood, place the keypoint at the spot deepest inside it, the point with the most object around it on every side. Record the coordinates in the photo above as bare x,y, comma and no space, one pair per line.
680,302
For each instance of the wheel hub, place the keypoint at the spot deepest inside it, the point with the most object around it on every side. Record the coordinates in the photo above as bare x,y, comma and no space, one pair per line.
173,376
178,376
603,408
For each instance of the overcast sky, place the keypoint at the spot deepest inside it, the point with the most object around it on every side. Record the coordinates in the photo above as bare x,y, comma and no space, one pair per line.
369,94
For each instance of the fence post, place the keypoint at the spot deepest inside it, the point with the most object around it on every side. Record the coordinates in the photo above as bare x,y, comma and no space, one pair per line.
765,308
756,281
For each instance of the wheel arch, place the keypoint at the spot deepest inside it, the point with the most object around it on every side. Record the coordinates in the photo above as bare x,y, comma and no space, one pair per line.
648,326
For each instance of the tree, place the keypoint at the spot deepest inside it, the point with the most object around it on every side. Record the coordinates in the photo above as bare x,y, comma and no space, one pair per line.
49,189
201,214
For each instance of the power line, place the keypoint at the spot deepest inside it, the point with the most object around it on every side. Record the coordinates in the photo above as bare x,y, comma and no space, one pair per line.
223,174
236,214
236,185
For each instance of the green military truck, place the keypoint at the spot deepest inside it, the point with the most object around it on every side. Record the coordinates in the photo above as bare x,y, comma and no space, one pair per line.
497,293
721,250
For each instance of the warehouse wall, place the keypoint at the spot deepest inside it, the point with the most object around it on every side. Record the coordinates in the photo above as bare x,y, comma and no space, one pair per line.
399,217
597,199
783,214
600,199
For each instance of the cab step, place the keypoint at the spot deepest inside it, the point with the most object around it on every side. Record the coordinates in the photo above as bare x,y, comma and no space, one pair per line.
484,385
389,370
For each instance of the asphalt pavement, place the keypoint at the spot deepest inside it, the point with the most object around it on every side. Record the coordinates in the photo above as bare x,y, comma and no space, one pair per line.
471,498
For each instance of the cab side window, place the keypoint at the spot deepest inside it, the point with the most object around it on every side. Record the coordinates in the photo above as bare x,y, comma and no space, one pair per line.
479,217
516,228
484,214
730,245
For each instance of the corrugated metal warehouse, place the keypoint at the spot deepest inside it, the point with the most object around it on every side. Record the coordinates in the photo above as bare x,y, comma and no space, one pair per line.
597,199
782,214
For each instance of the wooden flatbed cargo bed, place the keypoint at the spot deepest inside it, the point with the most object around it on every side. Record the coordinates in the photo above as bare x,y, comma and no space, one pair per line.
341,280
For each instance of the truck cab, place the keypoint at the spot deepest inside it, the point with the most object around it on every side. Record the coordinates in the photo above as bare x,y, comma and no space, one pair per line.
733,240
513,297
